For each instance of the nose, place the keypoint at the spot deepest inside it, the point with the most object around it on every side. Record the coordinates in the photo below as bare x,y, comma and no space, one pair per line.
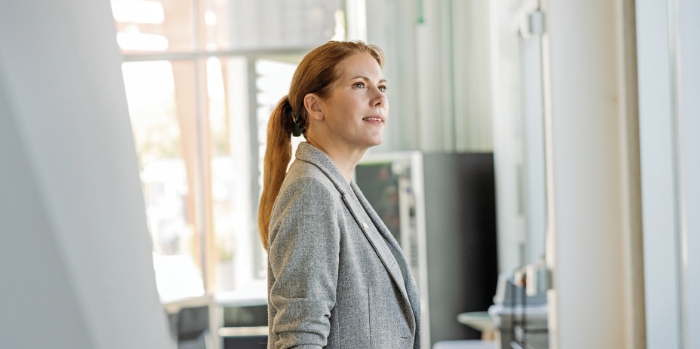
379,99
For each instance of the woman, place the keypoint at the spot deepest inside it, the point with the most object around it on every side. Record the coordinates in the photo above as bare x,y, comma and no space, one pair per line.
336,276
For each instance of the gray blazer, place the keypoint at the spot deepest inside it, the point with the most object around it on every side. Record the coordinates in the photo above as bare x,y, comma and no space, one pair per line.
336,276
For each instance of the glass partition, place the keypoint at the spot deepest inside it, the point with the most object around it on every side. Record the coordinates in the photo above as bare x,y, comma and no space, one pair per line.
202,78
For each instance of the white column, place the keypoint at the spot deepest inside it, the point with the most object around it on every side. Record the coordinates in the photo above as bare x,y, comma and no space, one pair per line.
76,266
589,177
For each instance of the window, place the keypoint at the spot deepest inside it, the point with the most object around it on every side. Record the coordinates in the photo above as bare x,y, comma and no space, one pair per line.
201,79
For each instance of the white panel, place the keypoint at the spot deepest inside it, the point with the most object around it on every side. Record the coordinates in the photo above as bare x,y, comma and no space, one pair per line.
507,133
62,75
658,201
533,136
471,64
689,12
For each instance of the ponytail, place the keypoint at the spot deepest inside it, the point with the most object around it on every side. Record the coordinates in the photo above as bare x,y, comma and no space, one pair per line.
315,74
277,156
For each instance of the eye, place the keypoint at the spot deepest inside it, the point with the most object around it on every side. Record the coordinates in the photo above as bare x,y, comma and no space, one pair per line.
359,84
382,88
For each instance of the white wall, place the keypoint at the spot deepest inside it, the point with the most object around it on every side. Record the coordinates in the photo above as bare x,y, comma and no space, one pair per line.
75,254
35,286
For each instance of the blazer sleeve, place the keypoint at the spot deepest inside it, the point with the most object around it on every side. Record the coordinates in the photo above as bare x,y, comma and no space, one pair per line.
304,245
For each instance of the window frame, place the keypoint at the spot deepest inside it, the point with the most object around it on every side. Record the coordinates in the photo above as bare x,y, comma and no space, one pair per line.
202,191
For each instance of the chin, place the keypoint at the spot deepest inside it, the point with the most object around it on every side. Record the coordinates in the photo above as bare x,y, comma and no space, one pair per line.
369,140
374,141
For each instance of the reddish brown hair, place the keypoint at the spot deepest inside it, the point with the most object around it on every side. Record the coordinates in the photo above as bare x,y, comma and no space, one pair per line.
315,74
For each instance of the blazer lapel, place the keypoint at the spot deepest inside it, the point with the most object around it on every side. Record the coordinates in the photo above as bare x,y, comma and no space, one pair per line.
376,240
389,239
380,247
312,155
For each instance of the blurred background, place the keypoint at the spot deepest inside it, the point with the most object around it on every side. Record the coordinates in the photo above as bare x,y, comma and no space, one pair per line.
540,168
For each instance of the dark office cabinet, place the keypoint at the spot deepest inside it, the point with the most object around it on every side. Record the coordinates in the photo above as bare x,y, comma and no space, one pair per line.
441,209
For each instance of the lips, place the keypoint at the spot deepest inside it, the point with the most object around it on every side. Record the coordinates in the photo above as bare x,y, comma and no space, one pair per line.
374,118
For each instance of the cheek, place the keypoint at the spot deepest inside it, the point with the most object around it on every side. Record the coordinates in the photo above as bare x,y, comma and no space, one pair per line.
352,110
354,104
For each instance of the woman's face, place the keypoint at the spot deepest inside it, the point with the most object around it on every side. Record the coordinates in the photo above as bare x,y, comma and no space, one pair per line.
357,108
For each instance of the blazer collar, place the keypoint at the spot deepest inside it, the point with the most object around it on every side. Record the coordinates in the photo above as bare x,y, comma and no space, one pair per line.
308,153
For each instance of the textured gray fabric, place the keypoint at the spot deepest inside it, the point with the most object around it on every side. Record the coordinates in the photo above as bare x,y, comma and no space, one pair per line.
336,276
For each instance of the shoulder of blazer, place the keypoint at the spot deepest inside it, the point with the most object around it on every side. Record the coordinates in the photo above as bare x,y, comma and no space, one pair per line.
301,171
306,177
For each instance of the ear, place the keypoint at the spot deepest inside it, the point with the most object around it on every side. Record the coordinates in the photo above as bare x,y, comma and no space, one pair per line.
314,106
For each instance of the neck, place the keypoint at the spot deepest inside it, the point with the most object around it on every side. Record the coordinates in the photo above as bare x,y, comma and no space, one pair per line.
345,158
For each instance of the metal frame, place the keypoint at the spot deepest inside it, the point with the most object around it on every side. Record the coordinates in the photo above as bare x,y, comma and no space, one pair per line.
197,54
680,229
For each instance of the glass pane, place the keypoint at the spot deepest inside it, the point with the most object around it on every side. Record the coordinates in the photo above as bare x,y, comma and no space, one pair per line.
163,116
152,26
239,259
271,23
234,227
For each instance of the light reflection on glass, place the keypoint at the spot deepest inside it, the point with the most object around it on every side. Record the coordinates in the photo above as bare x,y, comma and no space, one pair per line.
150,91
138,11
153,25
142,42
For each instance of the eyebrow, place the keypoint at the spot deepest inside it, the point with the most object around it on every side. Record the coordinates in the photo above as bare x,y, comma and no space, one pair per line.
366,78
